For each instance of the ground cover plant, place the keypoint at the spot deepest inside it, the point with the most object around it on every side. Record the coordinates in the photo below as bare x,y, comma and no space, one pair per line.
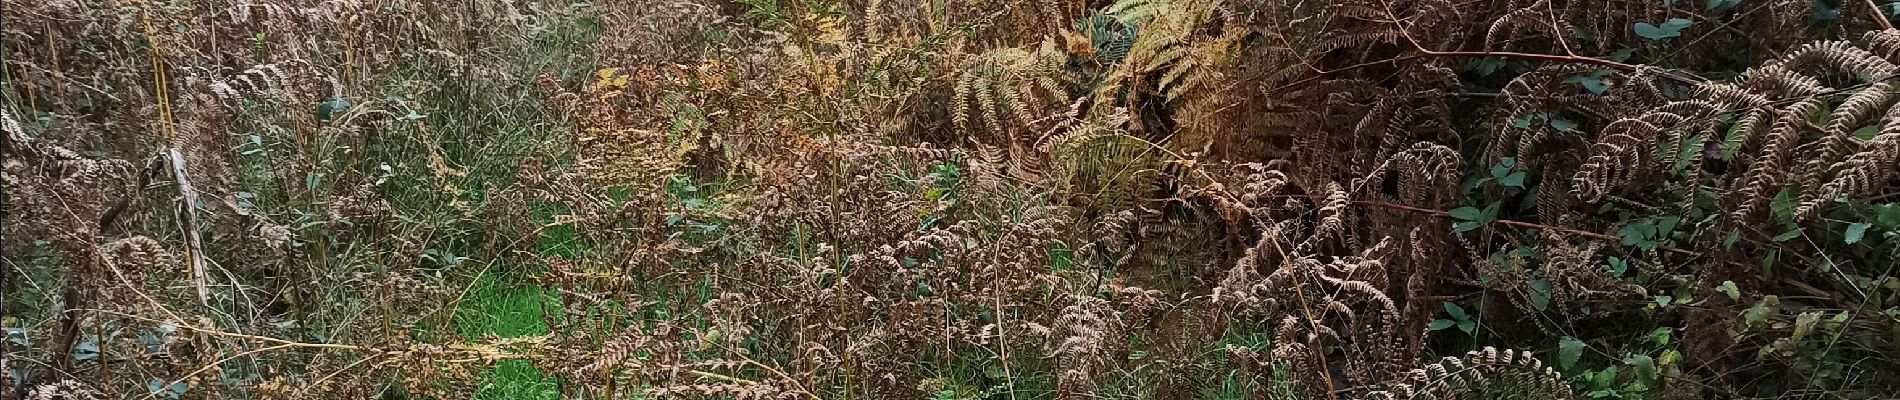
950,199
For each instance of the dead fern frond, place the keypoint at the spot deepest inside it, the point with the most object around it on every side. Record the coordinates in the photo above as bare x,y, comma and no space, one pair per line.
1480,373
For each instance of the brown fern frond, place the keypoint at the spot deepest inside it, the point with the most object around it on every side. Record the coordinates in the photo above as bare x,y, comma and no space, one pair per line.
1487,370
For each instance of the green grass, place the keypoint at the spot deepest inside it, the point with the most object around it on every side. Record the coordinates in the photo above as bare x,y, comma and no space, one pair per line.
500,308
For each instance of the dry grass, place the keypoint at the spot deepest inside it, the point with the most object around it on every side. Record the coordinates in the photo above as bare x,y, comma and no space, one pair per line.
948,199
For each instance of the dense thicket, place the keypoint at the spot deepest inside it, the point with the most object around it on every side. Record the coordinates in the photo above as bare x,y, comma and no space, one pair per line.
950,199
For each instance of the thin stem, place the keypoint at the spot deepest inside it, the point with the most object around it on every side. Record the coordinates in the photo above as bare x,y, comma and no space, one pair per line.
182,325
1425,52
1325,368
1878,16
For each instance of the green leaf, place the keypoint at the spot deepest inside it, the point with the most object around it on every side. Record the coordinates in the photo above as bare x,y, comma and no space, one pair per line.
1804,325
1867,132
1732,142
1663,300
1637,233
1471,218
89,349
1487,65
1441,324
1790,234
1594,85
1540,294
1856,231
1684,294
1592,82
1623,55
1668,29
1660,336
1783,205
1728,288
1514,179
1456,312
1618,266
1569,350
1687,153
1468,326
1522,122
1503,167
332,107
1563,124
157,388
1606,378
1645,366
1888,216
1467,226
1821,11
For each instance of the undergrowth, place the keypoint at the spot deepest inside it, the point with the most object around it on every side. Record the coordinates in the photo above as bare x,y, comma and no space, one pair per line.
498,308
950,199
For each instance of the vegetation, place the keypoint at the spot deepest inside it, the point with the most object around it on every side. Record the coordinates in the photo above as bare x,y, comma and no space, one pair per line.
950,199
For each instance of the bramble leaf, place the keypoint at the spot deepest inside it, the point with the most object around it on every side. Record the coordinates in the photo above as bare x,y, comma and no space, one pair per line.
1540,294
1668,29
1728,288
1563,124
1455,311
1569,350
1856,231
1592,82
1513,179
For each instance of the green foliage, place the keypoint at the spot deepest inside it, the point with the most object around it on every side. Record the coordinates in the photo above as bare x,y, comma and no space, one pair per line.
1505,174
1668,29
330,108
1638,374
765,12
1855,232
1592,82
1728,288
1540,293
822,230
1456,317
1618,266
160,388
1109,37
517,380
1569,350
1470,218
499,308
1648,233
699,212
